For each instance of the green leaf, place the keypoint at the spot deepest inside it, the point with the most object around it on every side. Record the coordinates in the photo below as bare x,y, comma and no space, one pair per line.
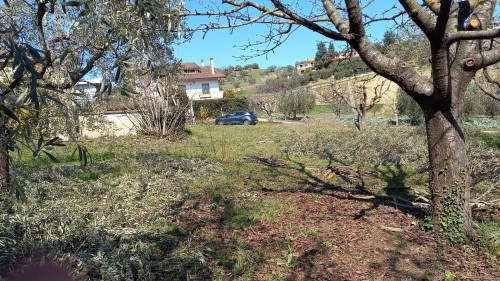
64,55
9,113
40,142
34,53
5,87
52,89
51,156
19,72
55,142
117,75
58,102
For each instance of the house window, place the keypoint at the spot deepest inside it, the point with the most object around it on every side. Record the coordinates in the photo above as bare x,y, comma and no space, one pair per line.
205,89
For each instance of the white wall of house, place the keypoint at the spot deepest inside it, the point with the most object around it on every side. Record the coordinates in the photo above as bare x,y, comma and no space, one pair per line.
194,89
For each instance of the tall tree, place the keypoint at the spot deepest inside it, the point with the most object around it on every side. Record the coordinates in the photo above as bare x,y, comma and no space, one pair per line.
460,43
331,51
321,58
47,46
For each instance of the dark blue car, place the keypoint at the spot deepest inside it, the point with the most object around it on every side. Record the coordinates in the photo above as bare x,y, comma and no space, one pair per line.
238,117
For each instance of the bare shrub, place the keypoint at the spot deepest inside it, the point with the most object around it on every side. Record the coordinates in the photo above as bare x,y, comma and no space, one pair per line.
160,110
267,103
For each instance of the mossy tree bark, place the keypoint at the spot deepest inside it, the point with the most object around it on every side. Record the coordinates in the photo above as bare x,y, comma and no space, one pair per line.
450,184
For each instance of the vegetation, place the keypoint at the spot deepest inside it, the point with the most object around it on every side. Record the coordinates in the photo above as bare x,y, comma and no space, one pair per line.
324,55
218,107
236,202
292,103
48,46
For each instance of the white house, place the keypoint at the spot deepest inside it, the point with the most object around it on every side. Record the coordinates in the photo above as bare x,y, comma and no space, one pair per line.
88,89
201,82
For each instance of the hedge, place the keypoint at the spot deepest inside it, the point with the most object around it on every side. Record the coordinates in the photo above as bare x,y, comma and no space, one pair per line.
214,106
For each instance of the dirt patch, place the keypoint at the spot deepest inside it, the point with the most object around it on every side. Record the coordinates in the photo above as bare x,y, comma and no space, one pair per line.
332,237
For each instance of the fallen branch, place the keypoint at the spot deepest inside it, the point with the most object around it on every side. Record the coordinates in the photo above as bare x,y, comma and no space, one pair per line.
486,192
391,199
484,206
393,229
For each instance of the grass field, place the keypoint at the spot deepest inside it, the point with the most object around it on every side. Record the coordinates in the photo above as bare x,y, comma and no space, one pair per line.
244,203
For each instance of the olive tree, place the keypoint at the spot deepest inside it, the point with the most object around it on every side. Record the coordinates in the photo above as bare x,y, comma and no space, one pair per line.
291,103
47,46
461,42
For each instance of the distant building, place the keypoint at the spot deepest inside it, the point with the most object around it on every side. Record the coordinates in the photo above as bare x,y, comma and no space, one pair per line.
201,82
346,55
303,66
87,89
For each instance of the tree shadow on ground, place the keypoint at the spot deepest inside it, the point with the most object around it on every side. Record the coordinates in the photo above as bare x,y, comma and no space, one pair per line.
394,178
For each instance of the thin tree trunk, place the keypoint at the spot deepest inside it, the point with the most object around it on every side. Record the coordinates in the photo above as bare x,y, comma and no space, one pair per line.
395,110
362,120
353,105
450,177
4,159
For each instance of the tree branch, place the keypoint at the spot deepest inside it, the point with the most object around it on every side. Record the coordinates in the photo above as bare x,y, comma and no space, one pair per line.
421,17
311,25
473,35
433,5
75,77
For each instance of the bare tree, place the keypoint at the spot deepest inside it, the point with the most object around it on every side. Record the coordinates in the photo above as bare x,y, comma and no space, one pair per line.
267,103
335,101
356,96
460,42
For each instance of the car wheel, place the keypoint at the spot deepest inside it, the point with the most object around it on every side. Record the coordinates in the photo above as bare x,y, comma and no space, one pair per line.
220,123
246,122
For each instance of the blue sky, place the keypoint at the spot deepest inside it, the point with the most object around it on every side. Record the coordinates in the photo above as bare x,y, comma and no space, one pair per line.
222,44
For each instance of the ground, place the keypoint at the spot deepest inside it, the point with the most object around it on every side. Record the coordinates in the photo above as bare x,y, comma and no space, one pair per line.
243,203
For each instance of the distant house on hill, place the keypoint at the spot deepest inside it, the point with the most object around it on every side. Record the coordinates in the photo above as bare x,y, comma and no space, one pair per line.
201,82
303,66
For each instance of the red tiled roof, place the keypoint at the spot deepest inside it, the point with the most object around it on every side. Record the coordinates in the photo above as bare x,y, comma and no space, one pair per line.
189,66
205,73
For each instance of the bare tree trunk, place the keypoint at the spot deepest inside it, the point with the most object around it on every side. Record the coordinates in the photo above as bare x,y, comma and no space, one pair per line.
362,116
395,110
450,177
269,117
353,105
4,158
191,112
361,120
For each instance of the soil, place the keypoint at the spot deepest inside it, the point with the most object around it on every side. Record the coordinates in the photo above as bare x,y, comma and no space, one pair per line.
334,237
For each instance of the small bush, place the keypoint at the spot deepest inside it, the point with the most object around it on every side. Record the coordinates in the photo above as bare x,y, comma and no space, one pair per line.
229,94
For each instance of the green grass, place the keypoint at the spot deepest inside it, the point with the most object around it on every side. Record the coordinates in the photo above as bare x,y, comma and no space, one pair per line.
148,209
